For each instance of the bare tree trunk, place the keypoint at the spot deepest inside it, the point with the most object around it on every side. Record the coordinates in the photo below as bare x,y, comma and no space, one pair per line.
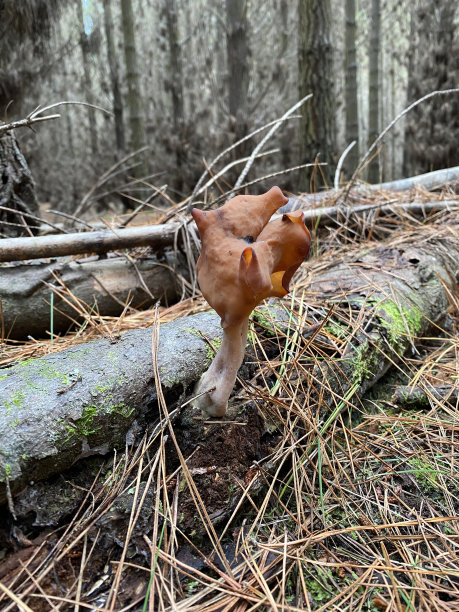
114,77
87,79
432,128
373,93
350,70
238,64
136,118
410,95
175,85
315,75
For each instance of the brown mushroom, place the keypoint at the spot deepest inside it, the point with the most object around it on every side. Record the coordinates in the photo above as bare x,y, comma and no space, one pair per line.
244,259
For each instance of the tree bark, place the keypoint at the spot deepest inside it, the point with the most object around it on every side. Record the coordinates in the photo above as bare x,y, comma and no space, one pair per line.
350,71
136,118
67,405
431,128
84,42
17,191
373,92
238,64
315,75
114,78
175,85
103,284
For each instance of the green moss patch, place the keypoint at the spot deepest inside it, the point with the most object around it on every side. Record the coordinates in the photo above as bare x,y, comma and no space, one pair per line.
401,323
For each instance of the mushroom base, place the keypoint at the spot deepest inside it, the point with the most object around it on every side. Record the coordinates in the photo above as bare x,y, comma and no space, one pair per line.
217,383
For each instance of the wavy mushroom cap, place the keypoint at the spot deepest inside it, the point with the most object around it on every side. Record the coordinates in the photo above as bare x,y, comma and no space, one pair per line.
289,241
235,276
245,216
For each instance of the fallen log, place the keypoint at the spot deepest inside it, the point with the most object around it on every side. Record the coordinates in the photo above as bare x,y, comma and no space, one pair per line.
397,293
85,399
320,216
428,181
104,286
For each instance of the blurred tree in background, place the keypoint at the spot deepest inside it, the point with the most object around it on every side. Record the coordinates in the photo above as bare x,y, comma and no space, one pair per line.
432,128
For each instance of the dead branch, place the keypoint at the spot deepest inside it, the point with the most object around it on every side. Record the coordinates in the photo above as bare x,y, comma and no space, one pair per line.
160,236
41,247
406,396
36,115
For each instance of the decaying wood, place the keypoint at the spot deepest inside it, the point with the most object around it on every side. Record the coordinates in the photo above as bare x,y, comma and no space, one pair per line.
407,396
397,292
84,400
104,286
18,200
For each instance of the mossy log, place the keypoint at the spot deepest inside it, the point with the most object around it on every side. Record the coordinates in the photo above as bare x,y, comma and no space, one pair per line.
85,399
103,284
397,293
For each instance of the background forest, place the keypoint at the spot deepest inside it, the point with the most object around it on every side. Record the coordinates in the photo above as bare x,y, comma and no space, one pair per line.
184,80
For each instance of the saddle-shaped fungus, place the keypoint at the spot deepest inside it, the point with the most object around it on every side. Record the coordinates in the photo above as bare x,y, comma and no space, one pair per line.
244,259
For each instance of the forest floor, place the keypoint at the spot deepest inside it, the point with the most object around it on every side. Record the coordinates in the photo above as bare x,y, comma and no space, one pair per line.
269,508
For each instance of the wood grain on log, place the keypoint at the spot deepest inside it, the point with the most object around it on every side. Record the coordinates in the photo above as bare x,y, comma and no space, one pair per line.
103,284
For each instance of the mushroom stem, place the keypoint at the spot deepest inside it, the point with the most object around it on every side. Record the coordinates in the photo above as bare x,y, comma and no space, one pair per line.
218,382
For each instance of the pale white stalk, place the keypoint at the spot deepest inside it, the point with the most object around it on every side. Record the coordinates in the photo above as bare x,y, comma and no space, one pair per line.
218,382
